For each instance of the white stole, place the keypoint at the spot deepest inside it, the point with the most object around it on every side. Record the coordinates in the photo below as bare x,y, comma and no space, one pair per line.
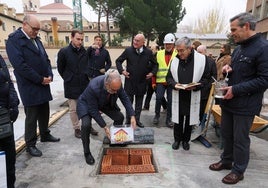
199,67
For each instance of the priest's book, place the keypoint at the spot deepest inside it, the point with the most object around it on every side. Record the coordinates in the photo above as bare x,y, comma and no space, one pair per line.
186,86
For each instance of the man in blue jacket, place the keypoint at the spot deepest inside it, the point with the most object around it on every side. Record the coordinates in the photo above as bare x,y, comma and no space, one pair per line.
33,74
101,95
248,79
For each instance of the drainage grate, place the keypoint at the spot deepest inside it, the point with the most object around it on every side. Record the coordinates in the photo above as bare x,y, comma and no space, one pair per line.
127,161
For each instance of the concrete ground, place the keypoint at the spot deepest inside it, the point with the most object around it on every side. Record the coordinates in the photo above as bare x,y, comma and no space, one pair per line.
63,166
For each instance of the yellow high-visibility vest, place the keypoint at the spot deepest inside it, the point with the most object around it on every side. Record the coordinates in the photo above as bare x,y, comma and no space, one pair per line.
162,65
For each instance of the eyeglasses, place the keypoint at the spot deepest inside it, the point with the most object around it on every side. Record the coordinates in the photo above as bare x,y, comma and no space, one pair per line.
33,28
181,50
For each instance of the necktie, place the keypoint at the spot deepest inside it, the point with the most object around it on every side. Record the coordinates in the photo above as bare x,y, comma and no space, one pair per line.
34,42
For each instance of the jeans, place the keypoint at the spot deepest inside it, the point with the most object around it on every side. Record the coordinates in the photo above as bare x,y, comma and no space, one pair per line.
160,93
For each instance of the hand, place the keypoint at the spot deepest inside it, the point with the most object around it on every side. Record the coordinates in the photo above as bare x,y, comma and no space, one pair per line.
150,75
125,73
191,88
229,92
133,122
46,80
154,86
95,46
226,68
107,132
13,112
102,71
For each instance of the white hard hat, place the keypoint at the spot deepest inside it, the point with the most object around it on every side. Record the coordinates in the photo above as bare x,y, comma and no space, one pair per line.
169,39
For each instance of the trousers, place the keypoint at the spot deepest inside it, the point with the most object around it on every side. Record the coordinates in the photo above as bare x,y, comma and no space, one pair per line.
36,114
236,142
8,145
86,125
182,131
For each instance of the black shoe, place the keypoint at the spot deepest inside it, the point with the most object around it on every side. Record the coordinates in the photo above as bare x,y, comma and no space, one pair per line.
156,120
139,124
145,108
169,123
93,132
89,158
33,151
176,145
185,145
77,133
49,138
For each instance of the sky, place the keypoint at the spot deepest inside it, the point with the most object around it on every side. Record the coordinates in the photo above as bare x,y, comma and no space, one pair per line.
194,8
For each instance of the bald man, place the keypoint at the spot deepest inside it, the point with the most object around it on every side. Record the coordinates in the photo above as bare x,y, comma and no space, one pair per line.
141,65
101,95
33,73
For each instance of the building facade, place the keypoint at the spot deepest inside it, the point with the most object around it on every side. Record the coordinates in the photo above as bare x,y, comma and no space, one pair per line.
259,8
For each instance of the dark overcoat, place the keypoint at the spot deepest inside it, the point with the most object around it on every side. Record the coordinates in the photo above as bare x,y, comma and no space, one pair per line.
30,65
72,64
138,65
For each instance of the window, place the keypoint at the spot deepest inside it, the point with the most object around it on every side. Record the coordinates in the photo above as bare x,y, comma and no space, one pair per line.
14,28
258,12
86,39
50,39
266,10
4,26
67,39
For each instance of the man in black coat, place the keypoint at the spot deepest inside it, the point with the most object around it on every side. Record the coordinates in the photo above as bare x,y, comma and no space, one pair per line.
141,66
99,58
72,64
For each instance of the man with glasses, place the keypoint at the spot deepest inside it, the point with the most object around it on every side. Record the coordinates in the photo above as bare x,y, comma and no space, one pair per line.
100,96
140,67
188,66
33,73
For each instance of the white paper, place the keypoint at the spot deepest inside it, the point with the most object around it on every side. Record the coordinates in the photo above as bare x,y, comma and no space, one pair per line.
121,135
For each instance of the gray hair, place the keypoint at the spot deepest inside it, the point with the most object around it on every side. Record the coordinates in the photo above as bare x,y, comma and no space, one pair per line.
184,40
202,49
244,18
112,74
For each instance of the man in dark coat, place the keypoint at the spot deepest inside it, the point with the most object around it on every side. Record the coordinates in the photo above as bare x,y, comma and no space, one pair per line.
141,66
248,80
72,64
99,58
101,95
33,74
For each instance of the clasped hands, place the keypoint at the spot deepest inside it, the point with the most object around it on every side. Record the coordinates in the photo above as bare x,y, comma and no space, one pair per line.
47,80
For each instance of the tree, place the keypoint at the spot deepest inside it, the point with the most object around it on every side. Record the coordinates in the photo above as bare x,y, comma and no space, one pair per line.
213,22
105,8
150,17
